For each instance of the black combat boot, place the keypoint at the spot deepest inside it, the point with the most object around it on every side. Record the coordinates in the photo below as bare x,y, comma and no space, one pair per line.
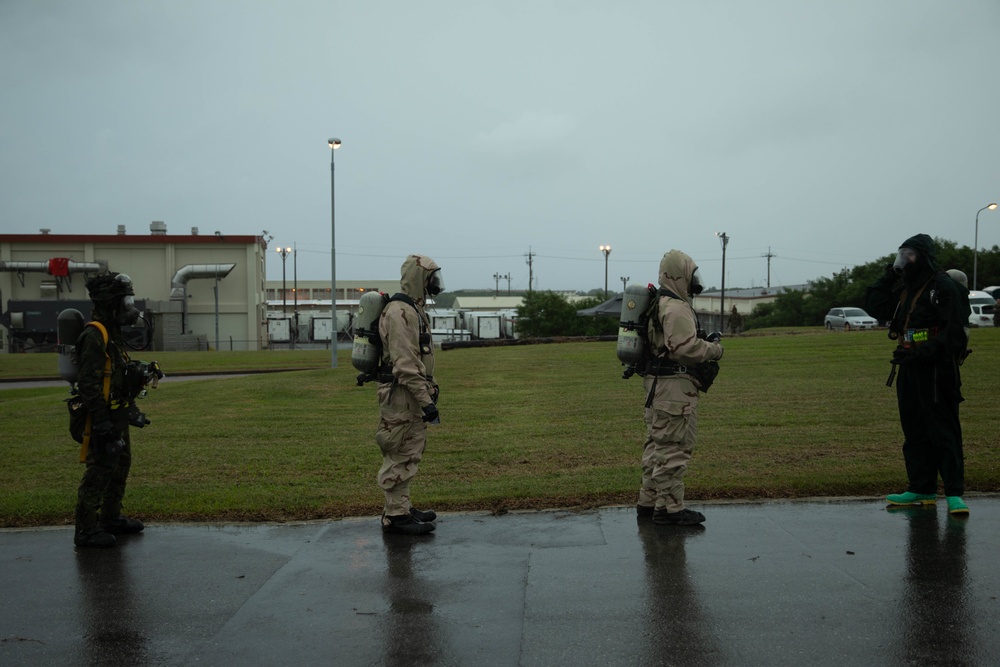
94,537
121,524
423,516
405,525
685,517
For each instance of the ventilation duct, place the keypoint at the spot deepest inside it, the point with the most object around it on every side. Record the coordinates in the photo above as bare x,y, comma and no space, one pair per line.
178,284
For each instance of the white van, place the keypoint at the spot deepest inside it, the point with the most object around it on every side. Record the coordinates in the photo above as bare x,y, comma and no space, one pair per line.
982,309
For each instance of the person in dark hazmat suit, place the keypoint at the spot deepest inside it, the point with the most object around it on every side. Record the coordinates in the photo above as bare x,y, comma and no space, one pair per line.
928,314
407,393
109,452
672,380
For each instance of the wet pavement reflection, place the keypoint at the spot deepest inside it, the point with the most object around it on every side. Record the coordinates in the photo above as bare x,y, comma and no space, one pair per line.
935,609
678,628
778,583
114,625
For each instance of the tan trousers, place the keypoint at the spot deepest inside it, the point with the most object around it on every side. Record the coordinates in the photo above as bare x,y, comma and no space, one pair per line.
671,430
402,436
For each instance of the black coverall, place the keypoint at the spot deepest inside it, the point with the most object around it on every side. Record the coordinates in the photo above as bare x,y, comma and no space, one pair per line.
928,383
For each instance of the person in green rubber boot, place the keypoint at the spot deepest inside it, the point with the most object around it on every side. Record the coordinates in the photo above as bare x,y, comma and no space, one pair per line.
928,312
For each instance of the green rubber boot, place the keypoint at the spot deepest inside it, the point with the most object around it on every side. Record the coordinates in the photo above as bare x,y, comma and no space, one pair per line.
956,505
913,499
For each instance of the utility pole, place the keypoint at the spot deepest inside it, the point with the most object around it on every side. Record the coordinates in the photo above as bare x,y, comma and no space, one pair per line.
769,255
496,280
531,256
625,280
507,278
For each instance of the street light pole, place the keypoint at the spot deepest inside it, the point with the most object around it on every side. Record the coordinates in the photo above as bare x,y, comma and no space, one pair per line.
334,145
722,302
284,287
975,249
606,249
625,280
295,295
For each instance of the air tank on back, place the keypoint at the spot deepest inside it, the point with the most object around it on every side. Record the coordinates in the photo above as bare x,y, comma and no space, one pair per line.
632,324
367,351
69,326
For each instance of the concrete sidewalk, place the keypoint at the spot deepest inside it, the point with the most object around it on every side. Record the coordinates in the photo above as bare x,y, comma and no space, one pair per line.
783,583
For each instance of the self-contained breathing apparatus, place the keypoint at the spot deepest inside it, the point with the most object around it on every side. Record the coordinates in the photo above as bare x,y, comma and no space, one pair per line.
367,352
640,310
138,376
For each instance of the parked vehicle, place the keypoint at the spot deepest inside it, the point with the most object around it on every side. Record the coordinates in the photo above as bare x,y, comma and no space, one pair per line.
849,319
982,304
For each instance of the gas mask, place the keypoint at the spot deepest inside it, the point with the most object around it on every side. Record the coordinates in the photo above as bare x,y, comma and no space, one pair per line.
906,261
127,314
696,285
435,283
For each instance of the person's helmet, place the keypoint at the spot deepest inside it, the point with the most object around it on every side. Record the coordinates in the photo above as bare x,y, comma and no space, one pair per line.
109,286
114,292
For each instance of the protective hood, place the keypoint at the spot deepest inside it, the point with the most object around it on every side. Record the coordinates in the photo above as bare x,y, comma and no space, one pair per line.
414,273
676,269
926,264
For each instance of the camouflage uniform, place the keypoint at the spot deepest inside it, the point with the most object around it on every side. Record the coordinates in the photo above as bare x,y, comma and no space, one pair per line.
404,399
109,454
103,485
672,412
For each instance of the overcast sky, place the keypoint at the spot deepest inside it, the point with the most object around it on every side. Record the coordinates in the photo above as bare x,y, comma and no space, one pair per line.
825,133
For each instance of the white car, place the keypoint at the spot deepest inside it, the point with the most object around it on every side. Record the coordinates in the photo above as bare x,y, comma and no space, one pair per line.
982,309
849,319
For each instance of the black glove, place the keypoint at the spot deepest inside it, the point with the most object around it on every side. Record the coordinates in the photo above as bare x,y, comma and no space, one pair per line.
431,415
714,337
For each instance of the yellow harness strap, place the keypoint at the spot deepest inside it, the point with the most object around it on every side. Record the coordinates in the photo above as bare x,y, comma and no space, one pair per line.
106,390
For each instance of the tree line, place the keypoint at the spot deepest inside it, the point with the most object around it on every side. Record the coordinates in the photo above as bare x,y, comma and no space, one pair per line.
798,308
550,314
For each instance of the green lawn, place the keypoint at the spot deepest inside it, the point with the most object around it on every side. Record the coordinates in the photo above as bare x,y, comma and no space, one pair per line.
792,414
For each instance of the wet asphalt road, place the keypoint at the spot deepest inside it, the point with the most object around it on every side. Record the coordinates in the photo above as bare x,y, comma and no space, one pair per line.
783,583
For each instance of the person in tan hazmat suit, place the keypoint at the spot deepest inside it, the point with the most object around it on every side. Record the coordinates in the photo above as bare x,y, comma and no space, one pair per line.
407,393
673,378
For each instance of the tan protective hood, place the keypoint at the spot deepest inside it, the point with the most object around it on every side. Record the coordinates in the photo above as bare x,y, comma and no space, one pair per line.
676,270
414,273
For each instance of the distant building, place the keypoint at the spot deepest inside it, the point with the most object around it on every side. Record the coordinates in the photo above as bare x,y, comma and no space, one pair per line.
709,305
197,289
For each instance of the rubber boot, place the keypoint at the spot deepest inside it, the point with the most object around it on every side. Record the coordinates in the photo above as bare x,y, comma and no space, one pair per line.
912,499
956,505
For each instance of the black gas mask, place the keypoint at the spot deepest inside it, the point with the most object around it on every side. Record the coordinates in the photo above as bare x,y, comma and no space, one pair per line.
906,261
435,283
696,284
126,313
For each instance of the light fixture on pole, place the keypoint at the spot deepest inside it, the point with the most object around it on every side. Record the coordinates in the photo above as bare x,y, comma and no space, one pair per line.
625,280
975,248
722,302
606,249
334,145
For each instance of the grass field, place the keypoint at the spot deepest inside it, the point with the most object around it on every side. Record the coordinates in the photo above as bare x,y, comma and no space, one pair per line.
795,414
